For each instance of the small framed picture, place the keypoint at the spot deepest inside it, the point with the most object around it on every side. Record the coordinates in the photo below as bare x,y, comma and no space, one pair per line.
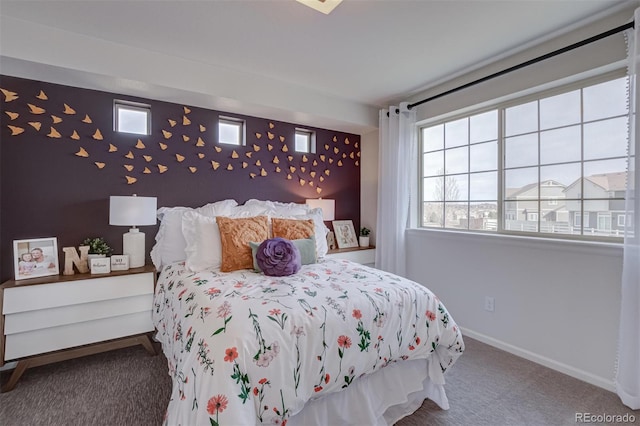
120,262
331,240
345,233
36,257
100,265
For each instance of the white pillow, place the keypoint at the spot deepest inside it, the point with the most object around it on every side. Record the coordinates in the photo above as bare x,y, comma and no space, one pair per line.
202,235
277,208
321,231
249,211
170,243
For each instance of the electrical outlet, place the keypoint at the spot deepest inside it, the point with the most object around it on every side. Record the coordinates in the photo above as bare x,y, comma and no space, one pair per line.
489,303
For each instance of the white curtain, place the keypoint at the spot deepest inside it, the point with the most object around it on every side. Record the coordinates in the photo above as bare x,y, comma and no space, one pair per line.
628,363
397,180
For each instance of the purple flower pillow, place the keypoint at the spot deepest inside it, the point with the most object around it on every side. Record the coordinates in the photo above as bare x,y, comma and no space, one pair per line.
278,257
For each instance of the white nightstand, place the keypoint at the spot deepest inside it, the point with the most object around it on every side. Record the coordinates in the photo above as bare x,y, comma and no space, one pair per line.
364,255
51,319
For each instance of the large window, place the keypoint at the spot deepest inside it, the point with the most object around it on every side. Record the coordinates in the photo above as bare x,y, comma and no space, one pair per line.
553,165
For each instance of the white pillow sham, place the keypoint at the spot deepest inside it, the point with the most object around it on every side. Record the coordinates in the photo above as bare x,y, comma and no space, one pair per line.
170,243
277,208
202,235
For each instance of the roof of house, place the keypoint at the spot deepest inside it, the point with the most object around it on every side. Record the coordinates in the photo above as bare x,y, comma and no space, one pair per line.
514,192
607,181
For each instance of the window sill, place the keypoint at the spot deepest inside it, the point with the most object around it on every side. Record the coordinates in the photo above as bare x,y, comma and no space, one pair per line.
575,246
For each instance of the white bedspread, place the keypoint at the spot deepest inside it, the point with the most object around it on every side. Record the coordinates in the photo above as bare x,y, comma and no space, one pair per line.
244,348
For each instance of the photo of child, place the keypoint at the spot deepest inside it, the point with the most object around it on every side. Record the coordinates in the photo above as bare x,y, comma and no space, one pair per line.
35,258
26,264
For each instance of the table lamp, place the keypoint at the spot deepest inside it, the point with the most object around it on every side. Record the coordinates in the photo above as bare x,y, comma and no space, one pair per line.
133,211
328,207
328,214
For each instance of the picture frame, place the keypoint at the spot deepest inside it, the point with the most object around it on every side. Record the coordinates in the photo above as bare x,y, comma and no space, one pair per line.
36,257
345,233
331,240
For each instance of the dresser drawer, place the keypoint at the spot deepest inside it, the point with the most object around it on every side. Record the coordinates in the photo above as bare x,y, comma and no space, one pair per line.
53,317
71,335
46,296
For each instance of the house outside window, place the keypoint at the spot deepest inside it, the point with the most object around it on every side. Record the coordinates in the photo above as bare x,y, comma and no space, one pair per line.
621,221
538,165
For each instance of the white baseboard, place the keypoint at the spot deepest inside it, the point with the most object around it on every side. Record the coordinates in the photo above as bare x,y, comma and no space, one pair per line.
585,376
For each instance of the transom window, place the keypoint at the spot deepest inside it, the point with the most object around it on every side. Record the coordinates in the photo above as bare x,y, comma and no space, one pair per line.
305,141
132,117
554,165
231,131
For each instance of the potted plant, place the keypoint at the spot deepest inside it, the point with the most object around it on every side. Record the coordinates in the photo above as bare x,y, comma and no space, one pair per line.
364,237
98,247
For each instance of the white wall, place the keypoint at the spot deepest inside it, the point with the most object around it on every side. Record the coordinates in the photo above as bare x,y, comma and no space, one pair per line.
369,182
596,55
92,63
556,303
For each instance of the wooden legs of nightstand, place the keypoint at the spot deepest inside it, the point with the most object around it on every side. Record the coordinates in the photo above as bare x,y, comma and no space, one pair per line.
15,376
147,344
63,355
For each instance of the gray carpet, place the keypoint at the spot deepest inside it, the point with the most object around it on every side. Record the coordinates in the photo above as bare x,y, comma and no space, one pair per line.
129,387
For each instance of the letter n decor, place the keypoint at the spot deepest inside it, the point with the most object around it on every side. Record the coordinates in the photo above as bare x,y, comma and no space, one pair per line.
71,258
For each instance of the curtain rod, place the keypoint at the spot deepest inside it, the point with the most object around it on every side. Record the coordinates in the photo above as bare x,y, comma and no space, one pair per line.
527,63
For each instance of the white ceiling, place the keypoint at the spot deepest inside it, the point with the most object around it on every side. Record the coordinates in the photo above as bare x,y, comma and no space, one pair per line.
368,52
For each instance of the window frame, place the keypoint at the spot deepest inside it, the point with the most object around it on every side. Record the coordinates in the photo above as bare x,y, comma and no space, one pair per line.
119,104
311,140
622,220
233,121
501,105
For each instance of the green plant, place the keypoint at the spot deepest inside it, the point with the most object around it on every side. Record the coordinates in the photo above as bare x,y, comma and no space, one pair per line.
364,232
97,245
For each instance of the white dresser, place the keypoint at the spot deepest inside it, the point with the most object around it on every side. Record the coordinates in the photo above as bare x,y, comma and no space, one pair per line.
54,318
364,255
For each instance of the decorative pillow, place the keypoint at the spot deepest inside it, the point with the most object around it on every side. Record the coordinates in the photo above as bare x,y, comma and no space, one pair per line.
170,243
235,235
306,247
278,257
292,229
202,236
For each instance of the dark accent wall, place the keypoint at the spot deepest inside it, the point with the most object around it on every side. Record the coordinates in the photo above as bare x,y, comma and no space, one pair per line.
60,160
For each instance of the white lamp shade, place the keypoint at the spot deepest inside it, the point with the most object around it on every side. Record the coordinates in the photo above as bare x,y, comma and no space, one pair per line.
328,207
132,210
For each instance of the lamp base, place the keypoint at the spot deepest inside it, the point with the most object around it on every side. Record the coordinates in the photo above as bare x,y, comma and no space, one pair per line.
133,245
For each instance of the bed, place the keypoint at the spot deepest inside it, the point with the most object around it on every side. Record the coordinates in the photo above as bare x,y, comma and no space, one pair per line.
334,343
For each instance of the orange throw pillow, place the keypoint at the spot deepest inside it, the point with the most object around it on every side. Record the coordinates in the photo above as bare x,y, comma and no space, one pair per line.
293,229
235,235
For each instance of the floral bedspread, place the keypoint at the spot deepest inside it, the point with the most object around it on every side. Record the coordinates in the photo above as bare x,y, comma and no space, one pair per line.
244,348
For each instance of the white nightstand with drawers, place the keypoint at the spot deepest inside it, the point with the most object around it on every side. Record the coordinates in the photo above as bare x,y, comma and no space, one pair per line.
364,255
51,319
